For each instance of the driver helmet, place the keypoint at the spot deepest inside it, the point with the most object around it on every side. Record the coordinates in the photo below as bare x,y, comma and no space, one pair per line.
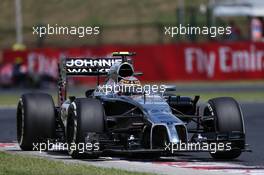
127,84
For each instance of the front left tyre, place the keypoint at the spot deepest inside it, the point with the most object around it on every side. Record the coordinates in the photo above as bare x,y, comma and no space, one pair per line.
35,120
85,115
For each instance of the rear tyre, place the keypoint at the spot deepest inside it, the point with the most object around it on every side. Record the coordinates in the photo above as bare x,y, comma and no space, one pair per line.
228,119
35,120
84,115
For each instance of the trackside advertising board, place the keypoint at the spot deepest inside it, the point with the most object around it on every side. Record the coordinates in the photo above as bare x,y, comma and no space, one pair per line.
172,62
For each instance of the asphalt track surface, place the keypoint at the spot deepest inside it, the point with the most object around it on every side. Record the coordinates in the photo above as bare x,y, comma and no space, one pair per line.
188,163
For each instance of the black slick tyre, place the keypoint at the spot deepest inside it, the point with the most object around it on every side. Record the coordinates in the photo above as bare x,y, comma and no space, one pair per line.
35,120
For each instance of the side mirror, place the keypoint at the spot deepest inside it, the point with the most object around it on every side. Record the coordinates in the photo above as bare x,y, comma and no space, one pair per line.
170,88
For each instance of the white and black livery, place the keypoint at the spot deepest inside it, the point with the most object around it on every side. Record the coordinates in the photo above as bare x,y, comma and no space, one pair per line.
127,122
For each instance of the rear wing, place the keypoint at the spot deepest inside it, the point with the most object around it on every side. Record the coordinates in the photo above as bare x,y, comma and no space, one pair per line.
88,66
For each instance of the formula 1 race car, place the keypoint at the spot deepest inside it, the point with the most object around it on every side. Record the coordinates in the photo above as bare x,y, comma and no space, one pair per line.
122,116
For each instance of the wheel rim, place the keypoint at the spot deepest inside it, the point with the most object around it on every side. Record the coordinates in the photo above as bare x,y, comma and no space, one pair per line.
71,131
20,122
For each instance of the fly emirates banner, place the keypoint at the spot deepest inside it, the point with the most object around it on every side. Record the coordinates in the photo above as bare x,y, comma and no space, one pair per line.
168,62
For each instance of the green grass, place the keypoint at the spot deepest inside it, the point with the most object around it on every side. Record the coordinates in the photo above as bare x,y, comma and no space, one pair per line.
13,164
206,83
240,96
9,99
